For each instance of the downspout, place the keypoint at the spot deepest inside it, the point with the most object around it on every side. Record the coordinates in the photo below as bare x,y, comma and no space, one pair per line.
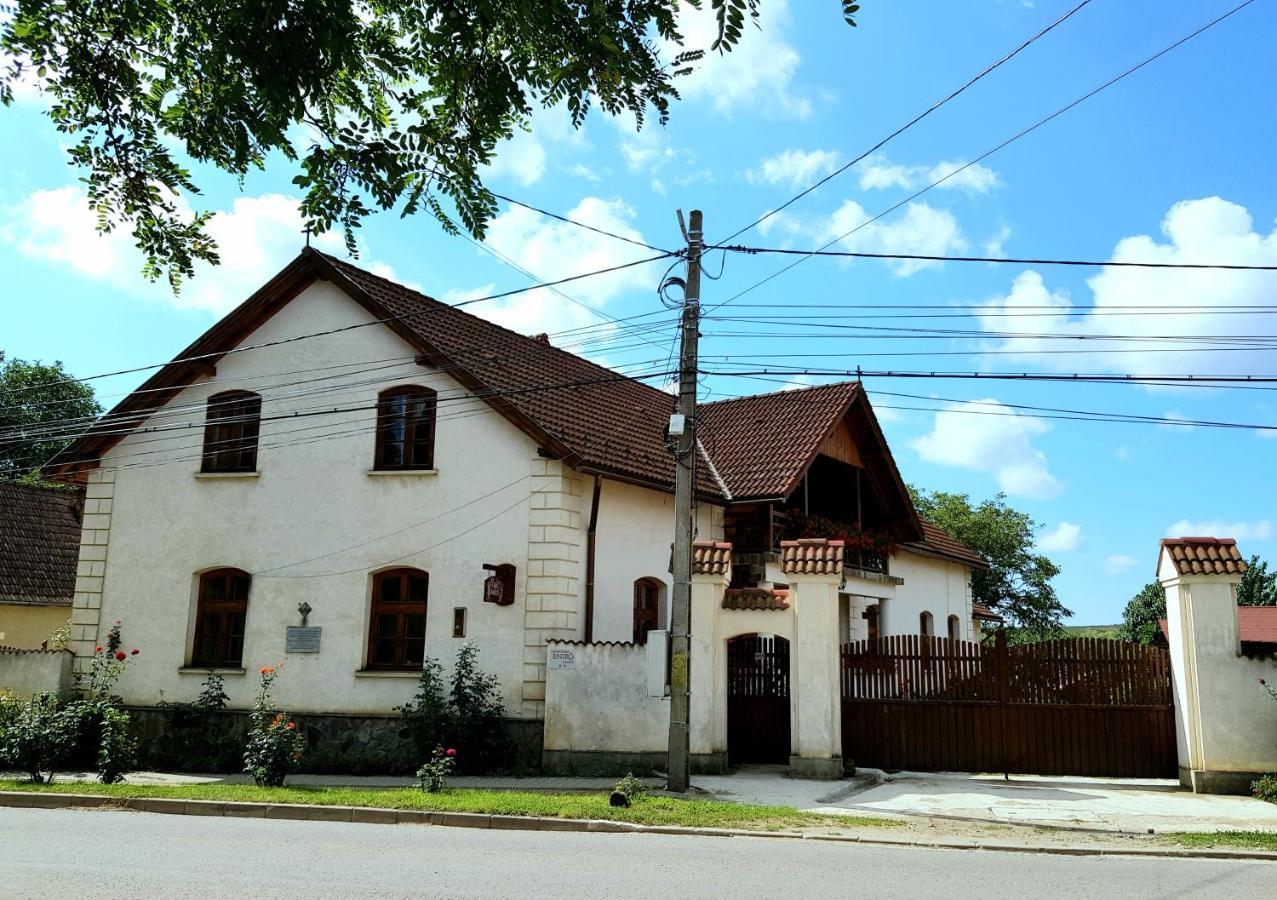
589,560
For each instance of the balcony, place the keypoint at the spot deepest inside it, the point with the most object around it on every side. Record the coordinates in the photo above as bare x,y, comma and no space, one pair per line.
756,534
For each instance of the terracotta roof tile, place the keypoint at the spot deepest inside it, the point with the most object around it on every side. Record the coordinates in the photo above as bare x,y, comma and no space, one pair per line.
755,598
811,556
39,543
939,543
984,614
711,558
1205,556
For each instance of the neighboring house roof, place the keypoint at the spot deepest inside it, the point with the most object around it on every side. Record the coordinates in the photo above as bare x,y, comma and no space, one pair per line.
39,544
1255,625
1205,556
940,544
594,419
984,614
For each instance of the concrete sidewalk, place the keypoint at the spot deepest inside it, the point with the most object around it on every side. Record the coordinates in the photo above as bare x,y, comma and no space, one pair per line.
1135,806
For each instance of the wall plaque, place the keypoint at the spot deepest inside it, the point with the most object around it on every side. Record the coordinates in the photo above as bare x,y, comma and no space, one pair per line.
302,638
561,658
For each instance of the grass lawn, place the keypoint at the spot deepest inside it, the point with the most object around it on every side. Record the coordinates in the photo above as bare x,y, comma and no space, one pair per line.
1229,840
647,810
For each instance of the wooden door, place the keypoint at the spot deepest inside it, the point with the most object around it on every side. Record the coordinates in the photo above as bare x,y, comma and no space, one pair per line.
758,699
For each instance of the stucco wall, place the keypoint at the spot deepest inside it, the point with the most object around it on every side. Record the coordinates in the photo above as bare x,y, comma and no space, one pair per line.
315,524
27,672
603,705
931,585
632,540
27,627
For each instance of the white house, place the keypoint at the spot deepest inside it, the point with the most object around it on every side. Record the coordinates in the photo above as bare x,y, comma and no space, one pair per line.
345,454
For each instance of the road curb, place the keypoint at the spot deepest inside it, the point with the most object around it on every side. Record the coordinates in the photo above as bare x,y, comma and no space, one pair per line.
381,816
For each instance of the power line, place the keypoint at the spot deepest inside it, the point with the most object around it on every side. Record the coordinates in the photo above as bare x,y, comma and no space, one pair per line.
345,328
914,121
986,154
1121,378
602,231
783,251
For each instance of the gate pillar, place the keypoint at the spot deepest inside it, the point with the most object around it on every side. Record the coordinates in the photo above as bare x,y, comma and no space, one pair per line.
711,573
814,570
1214,691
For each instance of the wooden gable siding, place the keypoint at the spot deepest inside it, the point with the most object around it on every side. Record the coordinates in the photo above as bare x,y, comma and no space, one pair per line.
840,445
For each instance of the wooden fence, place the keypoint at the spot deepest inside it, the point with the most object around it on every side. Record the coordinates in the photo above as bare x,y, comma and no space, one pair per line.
1077,706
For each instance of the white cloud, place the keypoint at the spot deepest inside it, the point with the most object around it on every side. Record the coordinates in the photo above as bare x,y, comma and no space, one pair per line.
795,168
1063,538
1117,564
1001,445
995,244
1242,531
520,159
581,171
551,250
256,237
922,229
880,173
756,77
1210,230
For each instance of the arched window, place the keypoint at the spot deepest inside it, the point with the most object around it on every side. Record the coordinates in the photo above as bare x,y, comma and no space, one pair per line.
220,611
955,628
231,426
647,600
926,624
406,428
397,625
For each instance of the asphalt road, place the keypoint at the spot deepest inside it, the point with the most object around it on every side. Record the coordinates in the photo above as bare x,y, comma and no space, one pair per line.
99,853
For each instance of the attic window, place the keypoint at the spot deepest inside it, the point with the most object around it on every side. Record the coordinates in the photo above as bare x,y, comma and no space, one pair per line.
406,428
231,427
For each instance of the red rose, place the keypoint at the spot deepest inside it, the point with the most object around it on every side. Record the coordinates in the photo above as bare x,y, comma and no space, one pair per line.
452,752
290,726
97,649
121,655
135,651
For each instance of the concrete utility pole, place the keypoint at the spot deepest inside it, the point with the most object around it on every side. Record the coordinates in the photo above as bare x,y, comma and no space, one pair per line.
683,429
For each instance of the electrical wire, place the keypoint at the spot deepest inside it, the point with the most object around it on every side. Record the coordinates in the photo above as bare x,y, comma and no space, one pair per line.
1031,261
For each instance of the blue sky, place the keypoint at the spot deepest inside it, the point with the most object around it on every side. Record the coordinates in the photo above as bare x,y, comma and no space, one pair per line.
1172,164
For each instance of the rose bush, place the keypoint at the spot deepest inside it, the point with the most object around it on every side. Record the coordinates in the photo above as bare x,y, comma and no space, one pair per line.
275,746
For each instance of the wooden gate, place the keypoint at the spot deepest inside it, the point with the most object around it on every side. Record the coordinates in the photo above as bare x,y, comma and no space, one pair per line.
757,699
1078,706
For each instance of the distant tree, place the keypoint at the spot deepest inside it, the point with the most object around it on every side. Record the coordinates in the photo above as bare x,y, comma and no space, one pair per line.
1018,582
1139,619
390,104
41,408
1259,586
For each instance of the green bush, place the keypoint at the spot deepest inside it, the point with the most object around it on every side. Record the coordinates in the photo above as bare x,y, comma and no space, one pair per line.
196,736
117,748
469,718
37,735
1265,788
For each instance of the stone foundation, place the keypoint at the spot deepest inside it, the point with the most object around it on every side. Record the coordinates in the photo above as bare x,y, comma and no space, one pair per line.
182,740
1218,782
606,763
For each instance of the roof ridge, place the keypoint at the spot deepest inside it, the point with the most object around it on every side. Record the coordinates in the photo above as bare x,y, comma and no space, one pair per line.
782,393
541,345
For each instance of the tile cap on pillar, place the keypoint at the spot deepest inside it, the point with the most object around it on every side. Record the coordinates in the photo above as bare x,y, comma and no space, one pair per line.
812,556
1204,556
711,558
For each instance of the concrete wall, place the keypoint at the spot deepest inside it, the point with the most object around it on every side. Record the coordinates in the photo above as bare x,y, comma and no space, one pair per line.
600,714
632,540
1226,721
27,672
932,585
314,525
27,626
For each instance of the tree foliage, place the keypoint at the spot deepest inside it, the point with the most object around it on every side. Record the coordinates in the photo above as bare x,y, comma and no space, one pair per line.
379,103
32,395
1259,586
1139,619
1018,582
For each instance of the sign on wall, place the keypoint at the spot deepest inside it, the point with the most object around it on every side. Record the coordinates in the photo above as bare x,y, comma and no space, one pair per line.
498,587
301,639
561,658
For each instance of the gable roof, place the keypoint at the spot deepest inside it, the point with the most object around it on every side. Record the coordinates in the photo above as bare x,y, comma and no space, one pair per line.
39,544
594,419
1205,556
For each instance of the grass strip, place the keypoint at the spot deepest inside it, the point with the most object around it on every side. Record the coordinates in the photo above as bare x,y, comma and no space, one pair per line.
646,810
1238,840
